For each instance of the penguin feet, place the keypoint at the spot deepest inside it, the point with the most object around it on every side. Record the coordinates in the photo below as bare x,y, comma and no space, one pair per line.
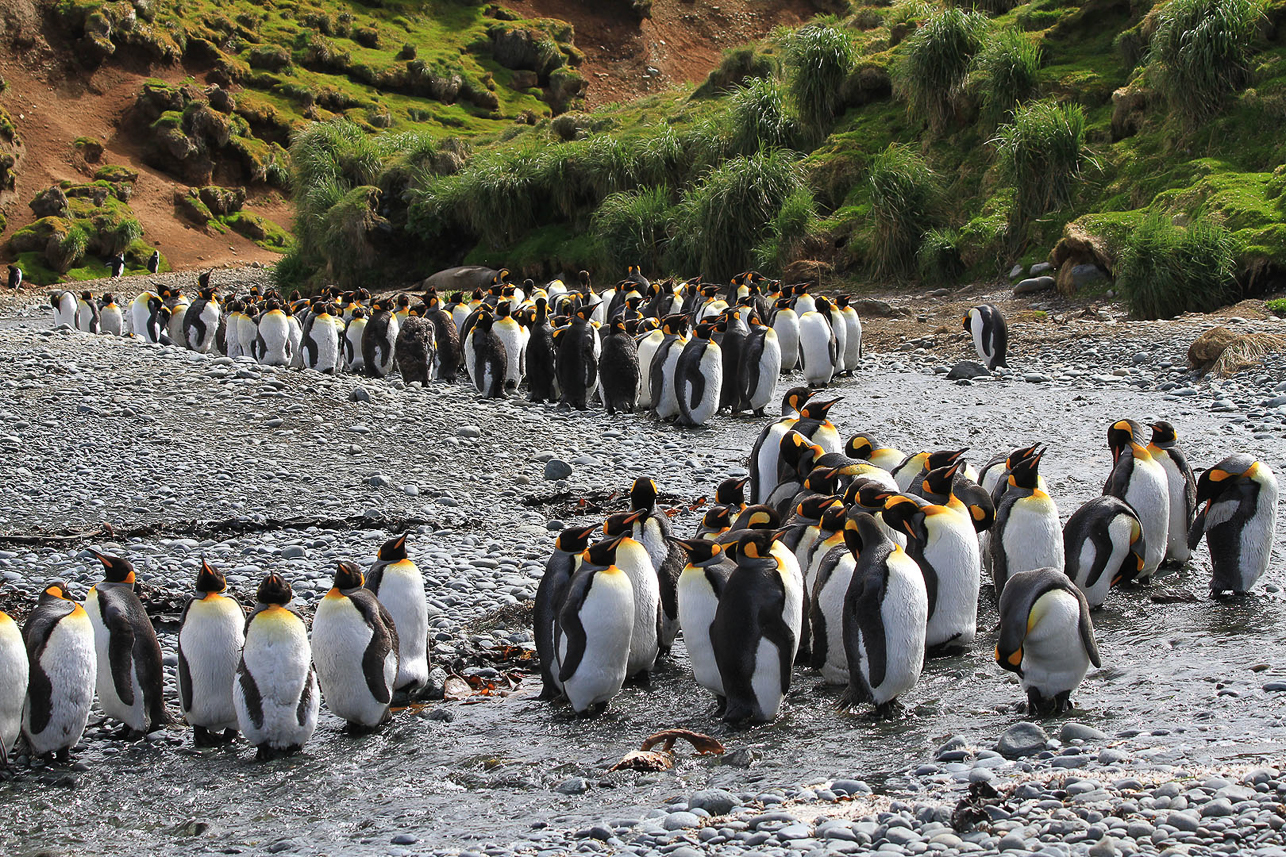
128,733
202,737
891,710
641,679
266,753
1040,706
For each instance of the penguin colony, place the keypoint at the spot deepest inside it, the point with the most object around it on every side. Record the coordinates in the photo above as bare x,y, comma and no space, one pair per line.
859,561
682,351
264,676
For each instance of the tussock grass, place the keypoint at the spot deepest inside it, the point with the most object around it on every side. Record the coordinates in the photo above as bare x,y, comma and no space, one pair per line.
1200,53
1006,70
1166,270
938,258
1041,153
935,65
905,198
819,58
760,118
633,227
794,223
736,66
1247,352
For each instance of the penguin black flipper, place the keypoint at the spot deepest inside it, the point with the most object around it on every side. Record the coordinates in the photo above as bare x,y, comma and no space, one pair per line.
37,630
120,645
383,640
870,622
306,696
254,699
1198,528
375,577
1085,627
569,623
185,672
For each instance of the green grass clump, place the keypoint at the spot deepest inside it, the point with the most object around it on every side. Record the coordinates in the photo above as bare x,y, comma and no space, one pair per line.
935,64
938,259
736,66
905,197
633,227
1006,69
1201,53
1166,270
1041,153
793,224
819,59
760,118
1277,306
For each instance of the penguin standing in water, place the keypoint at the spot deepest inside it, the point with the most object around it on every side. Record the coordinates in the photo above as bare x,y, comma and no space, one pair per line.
1103,547
355,650
1239,521
275,692
701,584
1046,636
652,530
764,451
818,354
211,634
826,603
399,585
65,307
63,663
886,614
550,594
592,636
14,673
1026,533
378,340
414,350
87,317
485,358
354,361
1139,480
785,323
632,558
698,378
110,318
1182,485
990,334
618,370
131,679
577,360
15,277
762,355
542,367
201,321
273,340
154,262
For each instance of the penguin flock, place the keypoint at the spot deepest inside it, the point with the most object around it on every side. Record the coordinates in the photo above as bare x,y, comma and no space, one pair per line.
264,676
858,561
682,351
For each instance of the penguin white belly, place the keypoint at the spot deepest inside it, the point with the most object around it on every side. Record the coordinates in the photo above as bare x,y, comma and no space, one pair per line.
203,343
340,639
816,556
853,339
175,328
769,369
792,580
766,456
647,350
210,642
470,357
1054,659
1149,494
765,681
278,657
1177,534
402,594
274,330
697,605
904,613
815,349
111,320
1032,536
327,346
605,618
840,331
830,603
786,324
65,312
1096,594
295,337
138,315
354,361
979,345
953,552
700,410
669,404
13,682
510,334
133,715
70,663
1257,537
632,558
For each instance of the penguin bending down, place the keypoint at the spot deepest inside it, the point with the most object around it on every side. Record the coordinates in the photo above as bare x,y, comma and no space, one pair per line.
201,322
865,447
1182,486
378,340
63,663
110,317
631,557
618,370
550,595
399,585
701,585
355,649
65,308
211,634
131,680
990,334
592,635
275,692
485,358
87,317
577,360
886,613
756,629
1046,636
1027,533
1139,480
698,378
1239,521
354,361
414,350
1103,546
14,674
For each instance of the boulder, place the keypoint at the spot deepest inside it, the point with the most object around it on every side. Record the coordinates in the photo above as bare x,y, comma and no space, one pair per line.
1129,106
1034,285
1081,276
1040,269
1078,247
51,202
874,307
968,369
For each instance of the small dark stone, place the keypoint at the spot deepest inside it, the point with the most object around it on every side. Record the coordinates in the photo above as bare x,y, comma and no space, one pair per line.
967,369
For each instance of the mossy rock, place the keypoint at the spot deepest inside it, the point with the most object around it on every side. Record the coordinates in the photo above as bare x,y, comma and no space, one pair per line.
8,174
190,207
33,237
222,201
8,128
115,174
51,202
89,148
260,230
94,194
65,248
566,88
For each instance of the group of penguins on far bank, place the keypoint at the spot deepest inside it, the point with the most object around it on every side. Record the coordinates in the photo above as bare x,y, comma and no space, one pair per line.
859,561
682,350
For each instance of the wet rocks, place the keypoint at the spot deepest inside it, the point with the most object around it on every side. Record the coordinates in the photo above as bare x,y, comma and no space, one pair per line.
968,369
1022,739
572,786
713,801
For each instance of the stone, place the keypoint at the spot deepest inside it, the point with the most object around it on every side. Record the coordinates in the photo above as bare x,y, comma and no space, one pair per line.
1072,731
1033,285
404,839
556,468
969,369
680,820
573,786
469,431
1040,269
713,801
1022,739
1085,275
359,394
1015,272
1217,808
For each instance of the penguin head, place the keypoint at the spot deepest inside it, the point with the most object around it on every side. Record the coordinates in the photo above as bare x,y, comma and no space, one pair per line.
643,493
503,309
484,322
823,305
853,540
817,409
943,458
717,518
1218,479
1023,473
55,591
730,491
116,569
860,446
1163,434
705,330
619,327
872,496
842,301
967,320
210,579
602,554
404,301
274,590
812,508
209,294
574,539
904,515
358,312
393,550
759,517
755,545
700,552
1121,435
348,576
622,523
86,296
833,518
823,479
938,480
795,399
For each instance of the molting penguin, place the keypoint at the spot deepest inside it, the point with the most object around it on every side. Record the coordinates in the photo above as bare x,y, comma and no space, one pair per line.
14,672
577,359
1046,636
990,334
131,679
354,330
1239,521
1026,534
414,350
1103,547
110,317
378,340
1139,480
87,317
65,306
485,358
817,348
592,637
60,652
755,630
631,557
201,321
885,621
399,585
542,368
1182,484
355,651
275,692
211,634
698,378
618,370
550,595
701,585
762,355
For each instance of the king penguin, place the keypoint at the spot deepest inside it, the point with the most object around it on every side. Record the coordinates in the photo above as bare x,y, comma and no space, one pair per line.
817,348
618,370
1102,547
111,318
631,557
485,358
399,584
550,594
414,350
1026,534
577,359
131,679
211,634
379,340
446,340
827,598
87,317
1239,521
320,344
353,359
1139,480
1182,484
664,395
990,334
273,341
63,664
275,692
701,585
764,451
1046,636
201,321
15,277
355,650
762,355
513,336
65,306
542,369
592,636
852,334
785,323
138,314
14,673
698,378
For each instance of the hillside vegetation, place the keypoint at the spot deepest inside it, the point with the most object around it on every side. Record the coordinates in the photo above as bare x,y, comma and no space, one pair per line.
909,142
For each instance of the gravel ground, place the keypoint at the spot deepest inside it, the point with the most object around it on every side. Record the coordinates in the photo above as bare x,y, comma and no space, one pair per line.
217,453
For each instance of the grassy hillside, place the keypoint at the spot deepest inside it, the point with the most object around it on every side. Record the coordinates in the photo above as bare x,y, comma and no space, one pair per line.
917,141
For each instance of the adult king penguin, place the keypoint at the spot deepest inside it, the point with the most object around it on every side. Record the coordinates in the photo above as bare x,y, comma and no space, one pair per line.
485,359
1026,534
14,673
990,334
201,321
1103,547
592,637
211,634
1139,480
1182,484
399,584
111,318
1239,521
355,651
698,377
63,664
701,585
550,594
379,340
